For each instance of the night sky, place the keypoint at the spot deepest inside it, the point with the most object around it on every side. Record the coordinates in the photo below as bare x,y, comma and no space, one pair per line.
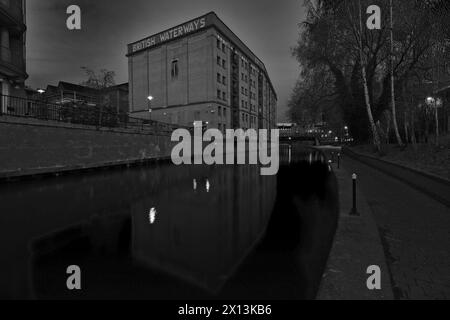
268,27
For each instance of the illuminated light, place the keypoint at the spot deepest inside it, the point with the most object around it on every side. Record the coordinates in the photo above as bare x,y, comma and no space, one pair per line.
152,215
195,185
208,185
150,98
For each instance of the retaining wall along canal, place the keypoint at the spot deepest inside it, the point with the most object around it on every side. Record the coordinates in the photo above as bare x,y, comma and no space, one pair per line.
31,147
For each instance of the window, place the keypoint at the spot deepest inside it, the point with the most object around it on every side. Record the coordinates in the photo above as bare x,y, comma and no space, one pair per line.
224,96
223,47
218,44
224,113
224,80
224,64
218,94
174,69
220,111
218,60
218,77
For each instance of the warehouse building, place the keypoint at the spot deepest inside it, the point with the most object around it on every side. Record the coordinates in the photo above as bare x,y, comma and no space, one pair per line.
200,71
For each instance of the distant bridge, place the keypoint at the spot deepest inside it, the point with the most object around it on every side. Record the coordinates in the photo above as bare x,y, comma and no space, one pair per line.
293,135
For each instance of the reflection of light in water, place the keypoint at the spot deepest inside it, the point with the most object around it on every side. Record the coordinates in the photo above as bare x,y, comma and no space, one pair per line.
195,184
208,185
152,215
310,158
290,154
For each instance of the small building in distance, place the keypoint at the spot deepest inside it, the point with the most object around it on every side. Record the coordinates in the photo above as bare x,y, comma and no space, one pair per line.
200,71
114,97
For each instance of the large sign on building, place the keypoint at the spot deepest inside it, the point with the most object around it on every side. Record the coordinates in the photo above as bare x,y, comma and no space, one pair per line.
177,32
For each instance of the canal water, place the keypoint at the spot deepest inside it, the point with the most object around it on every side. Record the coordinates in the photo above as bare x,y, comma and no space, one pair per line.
167,232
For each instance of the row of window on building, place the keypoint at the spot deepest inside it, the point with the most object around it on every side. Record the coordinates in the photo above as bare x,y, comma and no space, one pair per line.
221,62
249,119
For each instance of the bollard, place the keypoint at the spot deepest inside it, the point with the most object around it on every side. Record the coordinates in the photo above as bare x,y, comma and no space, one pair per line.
354,211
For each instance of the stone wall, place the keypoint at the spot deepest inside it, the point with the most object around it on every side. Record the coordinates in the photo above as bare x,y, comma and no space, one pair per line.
30,146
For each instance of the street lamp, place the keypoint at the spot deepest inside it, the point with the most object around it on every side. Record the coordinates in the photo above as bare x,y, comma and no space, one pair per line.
40,91
150,99
435,104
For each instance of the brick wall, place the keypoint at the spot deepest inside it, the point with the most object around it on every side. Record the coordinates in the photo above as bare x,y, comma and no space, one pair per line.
29,146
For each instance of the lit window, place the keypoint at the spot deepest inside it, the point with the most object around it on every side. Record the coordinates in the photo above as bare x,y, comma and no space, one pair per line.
174,69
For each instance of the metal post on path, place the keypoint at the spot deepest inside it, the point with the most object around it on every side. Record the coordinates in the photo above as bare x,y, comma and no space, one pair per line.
354,211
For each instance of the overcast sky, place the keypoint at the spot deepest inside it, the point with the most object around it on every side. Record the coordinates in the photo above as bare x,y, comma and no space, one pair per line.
268,27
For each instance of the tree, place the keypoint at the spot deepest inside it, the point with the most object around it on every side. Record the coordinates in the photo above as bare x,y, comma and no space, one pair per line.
367,67
101,80
393,106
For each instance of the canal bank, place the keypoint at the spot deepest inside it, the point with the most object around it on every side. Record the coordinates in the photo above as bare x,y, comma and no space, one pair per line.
30,147
357,245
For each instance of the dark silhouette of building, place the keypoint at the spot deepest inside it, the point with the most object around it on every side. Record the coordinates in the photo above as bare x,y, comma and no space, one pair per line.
12,50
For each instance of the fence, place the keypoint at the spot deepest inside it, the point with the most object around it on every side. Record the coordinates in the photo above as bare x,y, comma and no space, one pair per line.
83,114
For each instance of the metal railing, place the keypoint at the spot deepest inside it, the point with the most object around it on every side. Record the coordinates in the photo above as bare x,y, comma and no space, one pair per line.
80,114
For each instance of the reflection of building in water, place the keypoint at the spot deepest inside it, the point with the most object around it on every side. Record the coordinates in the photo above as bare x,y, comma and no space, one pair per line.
161,217
202,236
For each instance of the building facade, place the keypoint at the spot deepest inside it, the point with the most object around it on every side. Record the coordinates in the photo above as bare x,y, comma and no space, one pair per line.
200,71
12,50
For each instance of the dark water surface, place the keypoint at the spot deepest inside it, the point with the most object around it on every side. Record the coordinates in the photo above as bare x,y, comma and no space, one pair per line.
167,232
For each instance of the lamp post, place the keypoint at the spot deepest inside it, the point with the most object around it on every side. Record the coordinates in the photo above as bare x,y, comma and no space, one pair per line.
435,104
150,99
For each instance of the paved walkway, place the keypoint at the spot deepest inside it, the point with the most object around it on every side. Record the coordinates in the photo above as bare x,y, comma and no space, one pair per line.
357,246
415,232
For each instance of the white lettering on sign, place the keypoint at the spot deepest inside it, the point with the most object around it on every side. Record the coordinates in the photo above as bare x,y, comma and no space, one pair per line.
170,34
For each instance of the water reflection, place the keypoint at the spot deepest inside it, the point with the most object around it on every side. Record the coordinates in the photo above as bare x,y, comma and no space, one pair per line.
173,232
